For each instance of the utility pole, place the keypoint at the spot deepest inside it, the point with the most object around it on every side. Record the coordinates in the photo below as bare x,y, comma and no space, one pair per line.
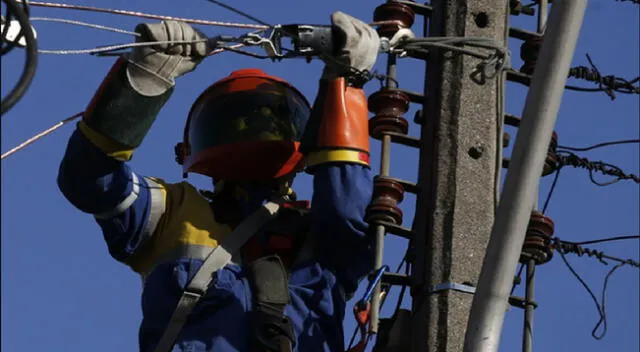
460,162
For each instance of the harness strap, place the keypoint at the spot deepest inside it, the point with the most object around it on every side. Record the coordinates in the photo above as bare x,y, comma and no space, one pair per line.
218,258
271,329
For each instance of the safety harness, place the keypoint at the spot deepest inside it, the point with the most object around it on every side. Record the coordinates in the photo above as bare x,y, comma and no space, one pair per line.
268,276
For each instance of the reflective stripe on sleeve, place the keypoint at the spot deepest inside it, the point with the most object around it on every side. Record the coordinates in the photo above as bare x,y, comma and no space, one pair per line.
158,205
126,203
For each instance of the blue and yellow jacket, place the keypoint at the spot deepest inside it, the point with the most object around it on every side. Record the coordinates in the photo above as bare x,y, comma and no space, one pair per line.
157,229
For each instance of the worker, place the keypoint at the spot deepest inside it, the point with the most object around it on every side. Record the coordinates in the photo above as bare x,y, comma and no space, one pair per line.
286,287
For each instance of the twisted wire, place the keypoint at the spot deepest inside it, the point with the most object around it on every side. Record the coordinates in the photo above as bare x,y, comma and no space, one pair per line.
579,250
567,158
609,84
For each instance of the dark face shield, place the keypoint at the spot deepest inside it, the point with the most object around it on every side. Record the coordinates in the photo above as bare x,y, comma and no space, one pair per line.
248,134
248,117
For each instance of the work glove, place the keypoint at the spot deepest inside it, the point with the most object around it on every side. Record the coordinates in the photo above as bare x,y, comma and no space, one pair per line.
337,130
152,70
356,47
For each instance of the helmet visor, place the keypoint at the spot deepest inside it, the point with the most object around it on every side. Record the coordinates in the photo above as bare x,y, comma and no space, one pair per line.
248,116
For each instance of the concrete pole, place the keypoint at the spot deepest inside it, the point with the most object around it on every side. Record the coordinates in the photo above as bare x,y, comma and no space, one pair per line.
457,173
530,149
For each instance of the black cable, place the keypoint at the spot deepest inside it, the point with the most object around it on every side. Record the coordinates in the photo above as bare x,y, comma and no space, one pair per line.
11,44
551,190
608,239
31,60
517,279
600,306
241,13
599,145
403,289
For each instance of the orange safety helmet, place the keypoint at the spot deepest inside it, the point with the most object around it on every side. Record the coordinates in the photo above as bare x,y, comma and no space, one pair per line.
247,126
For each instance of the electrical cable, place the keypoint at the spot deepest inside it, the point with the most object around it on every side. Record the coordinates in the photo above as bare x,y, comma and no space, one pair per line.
11,44
607,239
241,13
599,145
31,60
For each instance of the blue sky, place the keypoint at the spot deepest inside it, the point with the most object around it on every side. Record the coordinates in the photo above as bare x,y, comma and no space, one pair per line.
61,291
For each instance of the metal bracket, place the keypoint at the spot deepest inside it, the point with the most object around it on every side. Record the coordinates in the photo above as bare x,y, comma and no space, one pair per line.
268,44
445,286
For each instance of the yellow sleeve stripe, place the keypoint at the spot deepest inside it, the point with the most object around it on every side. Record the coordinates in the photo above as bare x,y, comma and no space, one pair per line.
341,155
110,147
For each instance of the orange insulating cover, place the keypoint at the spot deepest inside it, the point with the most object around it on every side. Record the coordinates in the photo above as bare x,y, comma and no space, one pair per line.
346,123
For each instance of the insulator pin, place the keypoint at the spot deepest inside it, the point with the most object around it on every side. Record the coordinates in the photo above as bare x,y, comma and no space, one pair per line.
393,11
389,106
537,243
529,51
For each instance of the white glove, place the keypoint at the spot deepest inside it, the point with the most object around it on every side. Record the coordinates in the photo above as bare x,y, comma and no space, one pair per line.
360,49
152,69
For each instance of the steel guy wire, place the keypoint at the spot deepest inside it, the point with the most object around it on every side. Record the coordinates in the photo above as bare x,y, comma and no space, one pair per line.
84,24
108,48
145,15
163,17
41,134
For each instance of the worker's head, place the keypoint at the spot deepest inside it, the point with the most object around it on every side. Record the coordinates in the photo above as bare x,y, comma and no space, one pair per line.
245,128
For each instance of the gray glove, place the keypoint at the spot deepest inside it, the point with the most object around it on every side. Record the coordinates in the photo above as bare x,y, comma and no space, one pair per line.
152,69
360,49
